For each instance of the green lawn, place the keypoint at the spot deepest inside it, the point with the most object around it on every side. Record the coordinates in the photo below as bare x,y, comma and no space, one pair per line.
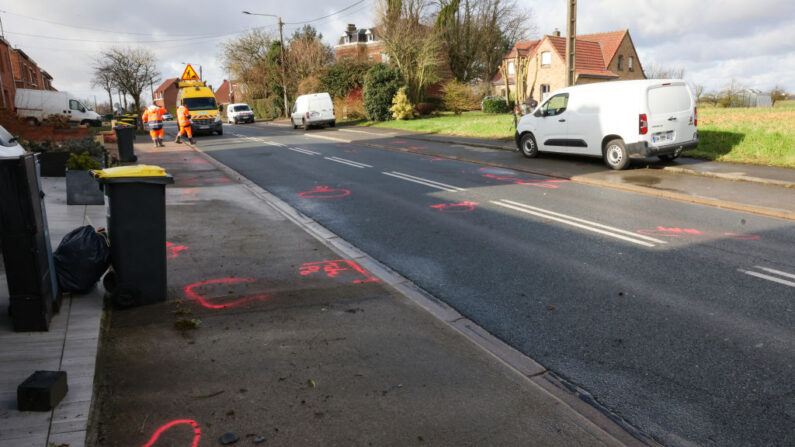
743,135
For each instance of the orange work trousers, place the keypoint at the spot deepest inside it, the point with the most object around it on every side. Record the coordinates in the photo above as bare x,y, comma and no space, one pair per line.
156,133
186,130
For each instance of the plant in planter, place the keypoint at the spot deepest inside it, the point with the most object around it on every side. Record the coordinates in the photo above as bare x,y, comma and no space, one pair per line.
54,155
81,188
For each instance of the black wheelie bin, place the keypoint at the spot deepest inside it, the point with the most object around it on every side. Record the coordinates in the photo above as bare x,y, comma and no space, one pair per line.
136,215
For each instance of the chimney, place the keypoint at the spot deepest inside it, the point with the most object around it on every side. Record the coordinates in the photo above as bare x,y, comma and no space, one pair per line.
556,33
351,27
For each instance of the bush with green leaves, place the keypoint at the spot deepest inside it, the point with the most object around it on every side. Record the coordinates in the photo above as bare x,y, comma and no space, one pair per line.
495,104
380,86
401,107
82,162
341,78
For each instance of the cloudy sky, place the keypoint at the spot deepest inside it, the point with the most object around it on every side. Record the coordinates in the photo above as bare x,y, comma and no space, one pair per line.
715,41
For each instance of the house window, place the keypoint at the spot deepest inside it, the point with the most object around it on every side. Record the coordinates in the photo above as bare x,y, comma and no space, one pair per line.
629,63
620,62
544,91
511,68
384,57
546,59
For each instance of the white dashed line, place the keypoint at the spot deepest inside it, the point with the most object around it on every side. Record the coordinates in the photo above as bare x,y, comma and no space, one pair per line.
771,278
424,181
345,161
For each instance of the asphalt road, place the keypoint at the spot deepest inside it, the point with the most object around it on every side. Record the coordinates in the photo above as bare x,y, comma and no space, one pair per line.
677,317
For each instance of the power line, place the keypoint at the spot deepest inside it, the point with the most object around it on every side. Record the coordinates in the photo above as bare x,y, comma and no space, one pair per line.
326,16
203,37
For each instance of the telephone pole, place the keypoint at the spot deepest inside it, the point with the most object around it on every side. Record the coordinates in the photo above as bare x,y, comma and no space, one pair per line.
281,53
571,36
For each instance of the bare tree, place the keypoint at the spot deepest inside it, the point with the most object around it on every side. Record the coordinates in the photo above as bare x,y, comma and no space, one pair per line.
698,91
246,58
778,93
103,78
410,41
133,70
730,96
655,71
478,33
307,54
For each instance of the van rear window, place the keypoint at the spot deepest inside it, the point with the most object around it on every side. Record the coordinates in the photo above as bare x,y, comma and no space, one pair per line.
669,99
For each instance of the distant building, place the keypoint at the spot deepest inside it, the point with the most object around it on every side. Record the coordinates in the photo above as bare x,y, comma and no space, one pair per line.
751,97
360,44
598,57
166,94
18,70
228,93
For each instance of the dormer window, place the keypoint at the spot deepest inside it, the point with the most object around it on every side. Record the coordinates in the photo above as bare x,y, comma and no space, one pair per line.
620,62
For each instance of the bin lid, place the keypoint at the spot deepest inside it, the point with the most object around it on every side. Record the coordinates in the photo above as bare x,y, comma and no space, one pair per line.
142,173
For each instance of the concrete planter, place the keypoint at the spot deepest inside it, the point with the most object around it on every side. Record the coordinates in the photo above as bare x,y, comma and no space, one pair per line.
82,189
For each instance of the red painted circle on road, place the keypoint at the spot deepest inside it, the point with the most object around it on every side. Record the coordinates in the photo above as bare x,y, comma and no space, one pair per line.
324,192
192,294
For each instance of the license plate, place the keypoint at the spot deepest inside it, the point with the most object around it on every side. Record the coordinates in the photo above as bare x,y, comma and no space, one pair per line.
204,127
665,136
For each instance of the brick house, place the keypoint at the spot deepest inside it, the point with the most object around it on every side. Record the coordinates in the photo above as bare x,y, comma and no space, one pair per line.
228,93
541,64
7,84
18,70
166,94
360,44
26,72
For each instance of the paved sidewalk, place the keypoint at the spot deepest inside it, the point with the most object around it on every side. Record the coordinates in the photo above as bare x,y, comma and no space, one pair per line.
277,330
761,190
70,345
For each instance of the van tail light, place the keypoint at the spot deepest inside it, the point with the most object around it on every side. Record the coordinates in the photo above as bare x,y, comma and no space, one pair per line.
307,115
695,116
332,112
643,124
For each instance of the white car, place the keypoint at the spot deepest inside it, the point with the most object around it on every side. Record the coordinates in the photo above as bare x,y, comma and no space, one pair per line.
315,109
614,121
8,145
236,113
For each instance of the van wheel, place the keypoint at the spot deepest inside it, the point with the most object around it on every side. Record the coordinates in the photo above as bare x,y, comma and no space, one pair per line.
528,146
616,155
332,124
668,157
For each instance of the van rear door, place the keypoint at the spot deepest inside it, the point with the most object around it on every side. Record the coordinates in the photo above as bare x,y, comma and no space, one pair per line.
671,114
320,109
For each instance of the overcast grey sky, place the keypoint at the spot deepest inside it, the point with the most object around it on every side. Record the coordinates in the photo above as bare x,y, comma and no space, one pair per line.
713,40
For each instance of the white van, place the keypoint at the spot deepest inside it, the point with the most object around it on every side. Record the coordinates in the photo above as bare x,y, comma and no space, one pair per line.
313,110
35,106
239,113
613,120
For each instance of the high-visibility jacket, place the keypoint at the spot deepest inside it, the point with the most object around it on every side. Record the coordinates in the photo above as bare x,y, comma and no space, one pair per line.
183,116
153,115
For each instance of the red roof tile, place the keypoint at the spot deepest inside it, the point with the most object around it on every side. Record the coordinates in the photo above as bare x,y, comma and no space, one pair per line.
609,42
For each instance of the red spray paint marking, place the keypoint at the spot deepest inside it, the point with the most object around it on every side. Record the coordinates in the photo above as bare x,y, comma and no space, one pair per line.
351,150
189,191
463,207
398,141
189,291
414,148
532,182
324,192
661,231
173,249
333,268
197,433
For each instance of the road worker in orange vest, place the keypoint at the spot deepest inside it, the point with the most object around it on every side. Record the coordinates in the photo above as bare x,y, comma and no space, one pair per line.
183,117
153,115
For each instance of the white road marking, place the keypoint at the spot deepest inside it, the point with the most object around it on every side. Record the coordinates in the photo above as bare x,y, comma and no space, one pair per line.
303,151
595,227
770,278
345,161
424,181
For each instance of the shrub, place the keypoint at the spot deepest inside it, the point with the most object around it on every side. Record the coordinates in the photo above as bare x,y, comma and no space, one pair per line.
351,107
311,84
380,86
401,107
58,121
458,97
495,104
425,108
267,108
82,162
341,78
81,145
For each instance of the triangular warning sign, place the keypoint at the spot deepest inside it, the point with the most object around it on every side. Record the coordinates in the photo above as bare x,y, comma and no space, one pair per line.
189,74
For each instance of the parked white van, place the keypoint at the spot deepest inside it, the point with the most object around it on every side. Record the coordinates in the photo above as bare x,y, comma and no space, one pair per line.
313,110
239,113
613,120
35,106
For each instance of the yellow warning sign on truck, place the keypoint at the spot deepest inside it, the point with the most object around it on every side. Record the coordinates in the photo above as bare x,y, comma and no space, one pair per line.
189,74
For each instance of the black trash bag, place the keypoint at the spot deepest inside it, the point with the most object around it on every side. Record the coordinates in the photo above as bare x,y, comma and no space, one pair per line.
81,259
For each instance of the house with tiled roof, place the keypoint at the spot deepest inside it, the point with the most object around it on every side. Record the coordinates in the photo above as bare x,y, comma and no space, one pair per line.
166,94
541,64
360,44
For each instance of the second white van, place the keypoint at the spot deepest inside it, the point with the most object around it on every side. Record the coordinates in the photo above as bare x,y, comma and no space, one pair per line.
613,120
315,109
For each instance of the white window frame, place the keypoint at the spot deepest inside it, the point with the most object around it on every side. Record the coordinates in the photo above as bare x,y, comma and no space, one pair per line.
511,68
629,63
546,59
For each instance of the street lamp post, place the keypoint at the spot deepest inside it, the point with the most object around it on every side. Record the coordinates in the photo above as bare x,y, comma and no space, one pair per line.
281,42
